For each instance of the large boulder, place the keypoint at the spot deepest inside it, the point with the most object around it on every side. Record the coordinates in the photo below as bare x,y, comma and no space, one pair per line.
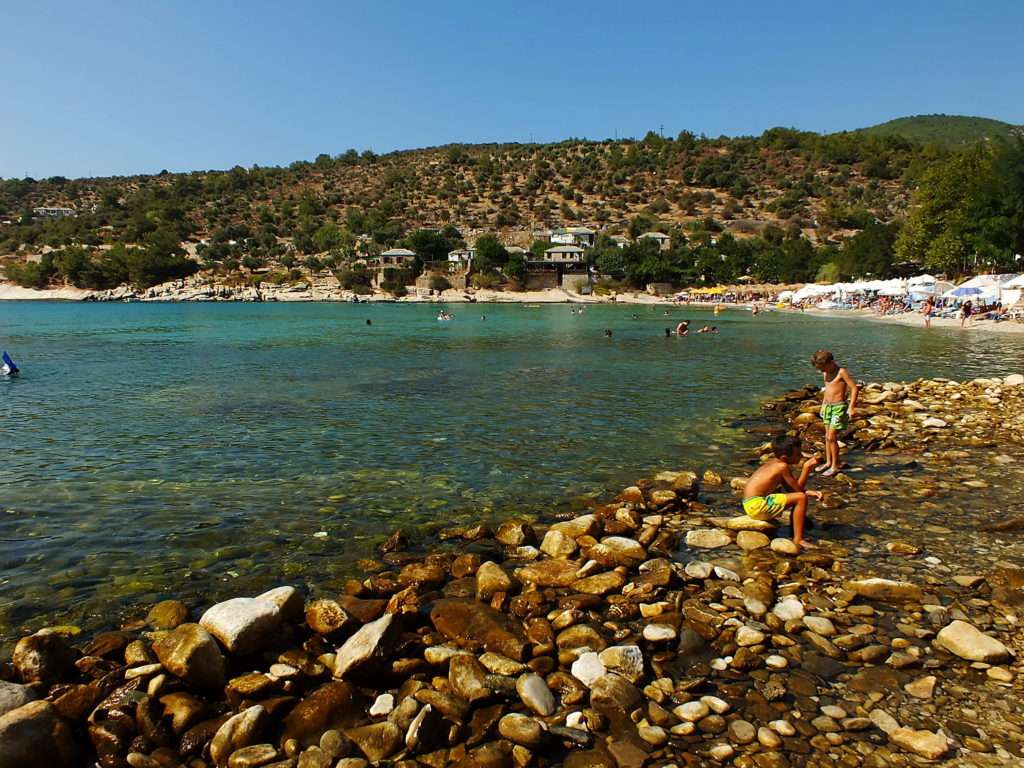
473,625
44,658
968,642
243,624
13,696
35,736
372,642
191,653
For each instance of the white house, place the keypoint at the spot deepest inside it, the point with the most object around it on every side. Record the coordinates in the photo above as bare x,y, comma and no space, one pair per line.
462,256
396,257
620,241
52,212
564,254
663,240
581,236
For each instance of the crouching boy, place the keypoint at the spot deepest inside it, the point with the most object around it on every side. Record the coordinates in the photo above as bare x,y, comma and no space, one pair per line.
760,501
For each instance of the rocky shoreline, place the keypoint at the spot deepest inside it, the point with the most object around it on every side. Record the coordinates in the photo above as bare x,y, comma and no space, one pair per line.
658,629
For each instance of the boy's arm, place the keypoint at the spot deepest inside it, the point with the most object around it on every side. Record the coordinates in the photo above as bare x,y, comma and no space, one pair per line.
854,391
793,483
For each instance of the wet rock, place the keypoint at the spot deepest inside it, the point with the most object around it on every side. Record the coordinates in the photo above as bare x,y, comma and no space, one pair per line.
521,729
237,731
558,544
468,678
923,743
742,732
535,694
968,642
326,616
600,583
490,579
708,538
922,688
167,614
751,540
44,658
612,691
253,756
515,533
885,590
743,523
364,610
13,696
372,642
191,653
747,636
472,625
789,609
617,550
183,709
243,625
332,706
784,547
35,736
624,660
415,574
382,705
820,625
659,633
588,668
287,599
377,741
549,573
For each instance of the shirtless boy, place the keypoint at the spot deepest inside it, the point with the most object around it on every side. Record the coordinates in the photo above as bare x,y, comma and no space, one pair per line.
836,412
760,501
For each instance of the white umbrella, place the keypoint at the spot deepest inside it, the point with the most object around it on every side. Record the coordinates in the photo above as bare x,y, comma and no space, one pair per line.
922,280
1017,282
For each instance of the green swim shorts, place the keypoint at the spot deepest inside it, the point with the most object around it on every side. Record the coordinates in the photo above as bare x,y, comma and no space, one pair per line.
834,415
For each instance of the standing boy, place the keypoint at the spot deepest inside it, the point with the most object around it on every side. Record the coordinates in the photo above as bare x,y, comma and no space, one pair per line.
760,502
836,412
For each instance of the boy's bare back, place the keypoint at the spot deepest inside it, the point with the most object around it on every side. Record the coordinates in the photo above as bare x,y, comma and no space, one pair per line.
766,478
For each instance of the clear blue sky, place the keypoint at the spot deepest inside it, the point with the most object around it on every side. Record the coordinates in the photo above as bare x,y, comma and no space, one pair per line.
103,87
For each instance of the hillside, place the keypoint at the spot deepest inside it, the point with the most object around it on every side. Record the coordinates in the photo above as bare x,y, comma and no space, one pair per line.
811,191
946,130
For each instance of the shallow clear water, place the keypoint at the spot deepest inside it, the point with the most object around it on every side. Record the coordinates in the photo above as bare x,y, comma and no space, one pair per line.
199,449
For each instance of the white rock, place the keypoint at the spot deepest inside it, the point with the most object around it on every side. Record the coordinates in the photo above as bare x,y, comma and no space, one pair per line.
717,705
708,538
968,642
692,711
382,705
776,662
789,609
362,646
782,727
588,668
883,721
820,624
924,743
698,570
659,633
535,694
243,624
747,636
1014,380
782,546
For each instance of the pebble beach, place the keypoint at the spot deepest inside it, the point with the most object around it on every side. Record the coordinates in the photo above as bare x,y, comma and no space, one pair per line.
660,628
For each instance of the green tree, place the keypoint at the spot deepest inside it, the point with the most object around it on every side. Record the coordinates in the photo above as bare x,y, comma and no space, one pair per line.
490,254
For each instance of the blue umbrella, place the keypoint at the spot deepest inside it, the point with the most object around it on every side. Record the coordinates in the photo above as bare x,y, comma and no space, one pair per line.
965,291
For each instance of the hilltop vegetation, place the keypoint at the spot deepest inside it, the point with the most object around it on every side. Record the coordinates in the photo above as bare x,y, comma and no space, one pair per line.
946,130
781,206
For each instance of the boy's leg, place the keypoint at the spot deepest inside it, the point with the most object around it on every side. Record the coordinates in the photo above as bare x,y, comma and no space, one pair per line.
799,501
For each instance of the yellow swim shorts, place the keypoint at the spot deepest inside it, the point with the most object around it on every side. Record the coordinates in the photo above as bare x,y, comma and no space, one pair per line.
765,507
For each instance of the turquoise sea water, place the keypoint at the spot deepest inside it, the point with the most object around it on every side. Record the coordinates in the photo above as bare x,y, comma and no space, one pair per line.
203,449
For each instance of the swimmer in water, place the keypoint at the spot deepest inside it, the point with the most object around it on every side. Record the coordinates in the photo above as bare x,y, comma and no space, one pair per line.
369,321
608,333
683,328
668,333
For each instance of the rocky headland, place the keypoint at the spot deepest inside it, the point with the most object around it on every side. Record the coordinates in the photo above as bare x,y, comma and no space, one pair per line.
658,629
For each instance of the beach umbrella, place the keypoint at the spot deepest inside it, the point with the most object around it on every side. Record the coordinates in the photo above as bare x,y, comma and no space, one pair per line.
922,280
963,292
1017,282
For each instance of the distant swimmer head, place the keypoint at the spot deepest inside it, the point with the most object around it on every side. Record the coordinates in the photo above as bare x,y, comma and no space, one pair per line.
608,333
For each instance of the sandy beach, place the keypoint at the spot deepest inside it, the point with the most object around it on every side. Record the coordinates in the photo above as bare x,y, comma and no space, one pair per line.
915,319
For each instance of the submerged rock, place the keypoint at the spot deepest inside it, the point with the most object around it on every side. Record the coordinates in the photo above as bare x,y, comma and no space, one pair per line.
35,736
968,642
